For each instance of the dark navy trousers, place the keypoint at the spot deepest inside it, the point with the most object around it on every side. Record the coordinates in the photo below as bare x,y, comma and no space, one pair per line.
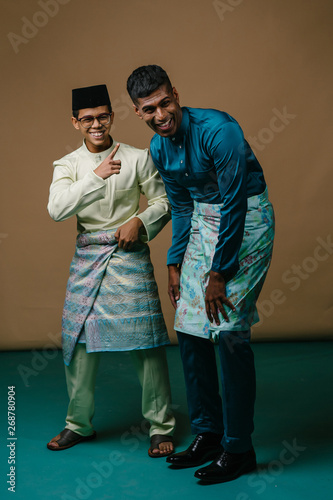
232,415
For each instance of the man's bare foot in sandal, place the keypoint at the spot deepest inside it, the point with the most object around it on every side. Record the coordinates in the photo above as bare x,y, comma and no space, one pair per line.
67,439
160,446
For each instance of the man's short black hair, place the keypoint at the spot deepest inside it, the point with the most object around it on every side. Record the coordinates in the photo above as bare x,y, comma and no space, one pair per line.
75,112
145,80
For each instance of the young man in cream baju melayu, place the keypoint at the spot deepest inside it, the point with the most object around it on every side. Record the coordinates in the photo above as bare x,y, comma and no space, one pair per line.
112,301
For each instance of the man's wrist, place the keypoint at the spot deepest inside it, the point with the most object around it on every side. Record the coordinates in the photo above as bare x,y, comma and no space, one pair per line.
139,222
222,275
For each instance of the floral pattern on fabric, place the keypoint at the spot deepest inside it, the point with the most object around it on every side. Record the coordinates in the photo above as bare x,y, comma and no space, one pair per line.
244,288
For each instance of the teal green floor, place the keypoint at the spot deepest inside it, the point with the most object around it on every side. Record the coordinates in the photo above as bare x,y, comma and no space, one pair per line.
293,437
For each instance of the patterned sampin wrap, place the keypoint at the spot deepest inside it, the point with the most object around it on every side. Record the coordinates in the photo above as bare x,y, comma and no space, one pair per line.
244,288
112,301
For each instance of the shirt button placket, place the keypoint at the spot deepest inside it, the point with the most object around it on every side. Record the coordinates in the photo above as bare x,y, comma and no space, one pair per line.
182,162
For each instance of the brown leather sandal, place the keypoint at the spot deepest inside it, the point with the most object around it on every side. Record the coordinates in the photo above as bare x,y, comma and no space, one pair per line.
157,439
67,439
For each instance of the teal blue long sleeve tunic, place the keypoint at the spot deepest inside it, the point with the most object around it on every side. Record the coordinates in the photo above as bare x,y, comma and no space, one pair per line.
208,160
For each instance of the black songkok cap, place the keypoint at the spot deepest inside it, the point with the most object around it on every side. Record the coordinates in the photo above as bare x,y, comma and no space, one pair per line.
90,97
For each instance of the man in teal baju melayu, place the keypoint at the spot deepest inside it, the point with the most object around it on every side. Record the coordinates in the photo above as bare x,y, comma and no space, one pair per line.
222,240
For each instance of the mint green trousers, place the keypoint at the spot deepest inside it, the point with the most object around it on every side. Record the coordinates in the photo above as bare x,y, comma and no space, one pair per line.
152,370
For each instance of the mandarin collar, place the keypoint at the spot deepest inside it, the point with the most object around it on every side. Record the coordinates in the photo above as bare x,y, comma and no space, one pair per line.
98,157
181,132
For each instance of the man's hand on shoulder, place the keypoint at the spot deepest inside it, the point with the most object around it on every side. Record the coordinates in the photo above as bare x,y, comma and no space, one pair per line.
109,166
128,234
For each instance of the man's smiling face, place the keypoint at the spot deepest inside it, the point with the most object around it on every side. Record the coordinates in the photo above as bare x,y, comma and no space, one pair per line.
161,111
97,136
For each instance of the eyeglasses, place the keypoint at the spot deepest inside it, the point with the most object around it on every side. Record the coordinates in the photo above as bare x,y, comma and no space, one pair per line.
87,121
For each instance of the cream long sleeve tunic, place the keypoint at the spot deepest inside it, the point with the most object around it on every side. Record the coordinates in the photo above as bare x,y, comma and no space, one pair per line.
107,204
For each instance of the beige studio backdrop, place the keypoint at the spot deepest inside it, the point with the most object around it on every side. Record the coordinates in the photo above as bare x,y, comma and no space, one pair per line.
266,62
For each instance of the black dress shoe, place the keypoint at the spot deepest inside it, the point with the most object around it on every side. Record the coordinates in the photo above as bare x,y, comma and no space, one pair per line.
227,467
205,447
